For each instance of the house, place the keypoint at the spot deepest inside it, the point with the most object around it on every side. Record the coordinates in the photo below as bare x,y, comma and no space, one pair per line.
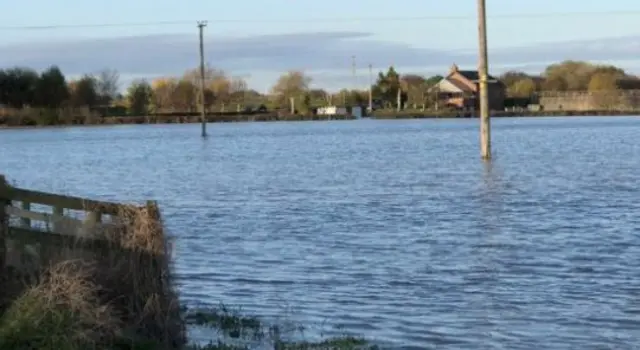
460,90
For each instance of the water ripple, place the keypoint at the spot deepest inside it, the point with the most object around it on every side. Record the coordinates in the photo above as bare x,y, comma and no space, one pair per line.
393,230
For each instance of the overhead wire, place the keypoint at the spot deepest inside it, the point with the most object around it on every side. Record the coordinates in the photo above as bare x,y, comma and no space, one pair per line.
506,16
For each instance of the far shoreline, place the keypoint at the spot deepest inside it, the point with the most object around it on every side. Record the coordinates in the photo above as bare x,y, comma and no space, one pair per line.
269,117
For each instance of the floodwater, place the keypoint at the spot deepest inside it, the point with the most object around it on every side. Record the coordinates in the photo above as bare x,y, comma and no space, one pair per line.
390,229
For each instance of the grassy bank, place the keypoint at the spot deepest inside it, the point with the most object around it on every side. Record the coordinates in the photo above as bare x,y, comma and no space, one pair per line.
63,311
46,120
409,114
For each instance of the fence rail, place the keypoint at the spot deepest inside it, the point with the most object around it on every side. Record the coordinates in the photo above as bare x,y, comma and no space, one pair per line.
57,227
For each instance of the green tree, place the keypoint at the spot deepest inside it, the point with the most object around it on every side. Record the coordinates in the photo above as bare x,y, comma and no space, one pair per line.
387,87
83,92
320,98
433,80
51,89
139,96
18,87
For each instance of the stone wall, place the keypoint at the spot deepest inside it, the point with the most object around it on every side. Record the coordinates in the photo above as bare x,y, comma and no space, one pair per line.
586,101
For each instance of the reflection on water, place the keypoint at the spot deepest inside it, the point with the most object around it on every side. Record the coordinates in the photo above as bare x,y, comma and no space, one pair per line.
392,229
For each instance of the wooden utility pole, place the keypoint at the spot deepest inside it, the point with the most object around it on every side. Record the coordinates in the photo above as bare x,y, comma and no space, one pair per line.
203,114
370,88
353,71
483,70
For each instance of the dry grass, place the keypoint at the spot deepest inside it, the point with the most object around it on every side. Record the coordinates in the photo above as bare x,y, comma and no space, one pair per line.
63,312
119,295
128,270
137,275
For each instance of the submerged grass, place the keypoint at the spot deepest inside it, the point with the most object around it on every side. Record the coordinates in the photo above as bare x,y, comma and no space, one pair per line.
235,330
64,312
119,295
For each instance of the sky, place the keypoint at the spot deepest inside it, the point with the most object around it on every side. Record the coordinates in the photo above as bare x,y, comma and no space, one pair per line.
260,39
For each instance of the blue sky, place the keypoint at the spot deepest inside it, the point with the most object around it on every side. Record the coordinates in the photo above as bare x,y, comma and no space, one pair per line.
245,38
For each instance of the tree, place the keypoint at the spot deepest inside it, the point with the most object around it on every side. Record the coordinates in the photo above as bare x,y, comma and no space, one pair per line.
83,92
320,97
163,89
511,77
555,83
216,82
415,87
603,81
183,96
18,87
387,87
107,85
237,90
576,75
433,80
51,89
292,84
604,90
139,96
524,87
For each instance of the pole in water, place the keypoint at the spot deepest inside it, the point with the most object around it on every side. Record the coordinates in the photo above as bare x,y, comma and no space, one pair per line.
203,116
483,70
353,71
370,88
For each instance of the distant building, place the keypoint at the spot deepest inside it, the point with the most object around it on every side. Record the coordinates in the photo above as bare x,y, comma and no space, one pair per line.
332,110
460,90
355,111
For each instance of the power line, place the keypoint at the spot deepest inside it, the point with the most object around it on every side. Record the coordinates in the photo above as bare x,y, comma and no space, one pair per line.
470,17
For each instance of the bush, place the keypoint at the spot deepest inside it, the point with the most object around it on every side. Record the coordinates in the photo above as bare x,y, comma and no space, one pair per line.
61,312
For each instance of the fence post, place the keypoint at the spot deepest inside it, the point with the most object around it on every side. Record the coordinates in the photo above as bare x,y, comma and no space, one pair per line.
4,223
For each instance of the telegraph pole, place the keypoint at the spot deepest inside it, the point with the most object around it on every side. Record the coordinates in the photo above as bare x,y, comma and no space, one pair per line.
203,115
353,71
370,88
483,70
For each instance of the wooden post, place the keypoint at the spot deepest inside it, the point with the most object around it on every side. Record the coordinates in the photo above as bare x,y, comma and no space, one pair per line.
25,222
58,211
203,115
92,219
4,226
353,72
483,68
370,88
292,102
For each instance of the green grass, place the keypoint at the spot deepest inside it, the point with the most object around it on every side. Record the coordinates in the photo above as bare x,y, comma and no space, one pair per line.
235,329
34,322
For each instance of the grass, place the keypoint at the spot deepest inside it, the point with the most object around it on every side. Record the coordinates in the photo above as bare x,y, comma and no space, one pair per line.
235,328
63,311
117,293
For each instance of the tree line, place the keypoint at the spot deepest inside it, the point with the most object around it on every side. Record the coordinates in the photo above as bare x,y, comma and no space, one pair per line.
24,88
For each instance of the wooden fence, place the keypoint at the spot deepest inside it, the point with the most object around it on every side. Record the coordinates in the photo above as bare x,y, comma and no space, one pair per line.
31,221
125,246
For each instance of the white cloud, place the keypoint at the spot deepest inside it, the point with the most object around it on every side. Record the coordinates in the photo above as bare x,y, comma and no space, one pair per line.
324,55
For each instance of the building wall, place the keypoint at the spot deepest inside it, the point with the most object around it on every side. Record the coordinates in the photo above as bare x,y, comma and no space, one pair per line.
585,101
497,95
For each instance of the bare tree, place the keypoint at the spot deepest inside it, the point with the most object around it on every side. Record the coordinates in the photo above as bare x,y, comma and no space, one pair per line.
291,84
107,85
